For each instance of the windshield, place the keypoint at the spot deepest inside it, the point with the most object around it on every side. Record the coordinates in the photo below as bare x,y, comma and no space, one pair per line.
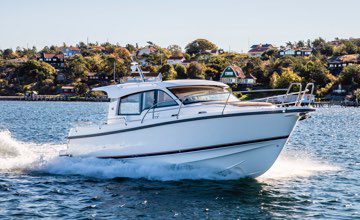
194,94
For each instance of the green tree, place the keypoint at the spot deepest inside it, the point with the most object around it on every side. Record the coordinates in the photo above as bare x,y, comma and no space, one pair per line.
322,47
168,72
8,54
350,47
357,94
175,50
121,67
180,71
350,75
77,67
131,48
36,71
200,46
255,67
287,77
38,75
196,70
81,89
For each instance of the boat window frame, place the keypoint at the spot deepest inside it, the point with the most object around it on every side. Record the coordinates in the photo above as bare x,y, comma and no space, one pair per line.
142,100
182,101
140,104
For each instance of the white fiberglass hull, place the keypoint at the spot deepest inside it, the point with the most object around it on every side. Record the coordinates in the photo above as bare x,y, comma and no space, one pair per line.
245,143
247,160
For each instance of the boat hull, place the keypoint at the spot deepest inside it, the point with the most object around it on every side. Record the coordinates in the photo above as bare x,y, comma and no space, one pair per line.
245,160
244,143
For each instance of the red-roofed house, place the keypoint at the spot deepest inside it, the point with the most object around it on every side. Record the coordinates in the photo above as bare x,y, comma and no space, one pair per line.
258,49
235,75
56,60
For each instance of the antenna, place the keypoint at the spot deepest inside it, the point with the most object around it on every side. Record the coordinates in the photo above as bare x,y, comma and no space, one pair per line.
136,68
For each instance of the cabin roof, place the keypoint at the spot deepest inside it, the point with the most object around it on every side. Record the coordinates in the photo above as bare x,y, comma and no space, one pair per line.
120,90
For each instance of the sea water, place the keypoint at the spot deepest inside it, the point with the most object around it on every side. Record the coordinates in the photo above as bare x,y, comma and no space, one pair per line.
316,176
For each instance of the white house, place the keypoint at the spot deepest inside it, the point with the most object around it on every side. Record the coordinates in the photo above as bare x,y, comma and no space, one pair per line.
235,75
71,51
146,50
175,60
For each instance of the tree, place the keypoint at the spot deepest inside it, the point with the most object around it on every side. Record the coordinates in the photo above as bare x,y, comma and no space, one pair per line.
77,67
180,71
123,52
37,75
300,44
289,44
350,47
168,72
94,63
81,89
255,67
350,75
273,79
121,66
8,53
196,71
287,77
313,71
131,48
322,47
200,46
175,50
357,94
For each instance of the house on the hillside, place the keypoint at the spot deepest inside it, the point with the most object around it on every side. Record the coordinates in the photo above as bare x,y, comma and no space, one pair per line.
56,60
142,53
97,49
175,60
71,51
68,90
97,77
339,62
257,50
295,52
235,75
146,51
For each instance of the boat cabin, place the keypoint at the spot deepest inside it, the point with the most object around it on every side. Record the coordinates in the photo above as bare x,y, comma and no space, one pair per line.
133,100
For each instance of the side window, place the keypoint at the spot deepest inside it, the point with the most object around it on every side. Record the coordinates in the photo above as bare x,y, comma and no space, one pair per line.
148,100
130,105
164,100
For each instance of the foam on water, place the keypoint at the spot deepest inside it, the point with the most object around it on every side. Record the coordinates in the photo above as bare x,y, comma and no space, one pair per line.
16,156
291,165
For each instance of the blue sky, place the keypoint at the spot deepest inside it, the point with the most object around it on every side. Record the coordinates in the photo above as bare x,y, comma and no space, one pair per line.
228,23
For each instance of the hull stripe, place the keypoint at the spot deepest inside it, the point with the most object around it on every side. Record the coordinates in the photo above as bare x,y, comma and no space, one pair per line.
194,149
193,119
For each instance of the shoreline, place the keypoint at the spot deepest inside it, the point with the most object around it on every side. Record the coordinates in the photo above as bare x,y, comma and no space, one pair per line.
51,98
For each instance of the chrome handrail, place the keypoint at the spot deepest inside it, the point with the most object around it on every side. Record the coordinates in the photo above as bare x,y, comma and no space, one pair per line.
306,90
153,107
227,100
289,89
310,87
187,97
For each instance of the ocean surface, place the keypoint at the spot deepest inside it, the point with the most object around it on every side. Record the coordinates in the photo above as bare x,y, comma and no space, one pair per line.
316,177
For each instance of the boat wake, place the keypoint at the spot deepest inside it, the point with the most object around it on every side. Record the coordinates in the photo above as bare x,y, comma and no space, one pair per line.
17,156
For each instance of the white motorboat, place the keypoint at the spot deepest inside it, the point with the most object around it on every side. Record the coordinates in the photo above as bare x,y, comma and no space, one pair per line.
193,122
